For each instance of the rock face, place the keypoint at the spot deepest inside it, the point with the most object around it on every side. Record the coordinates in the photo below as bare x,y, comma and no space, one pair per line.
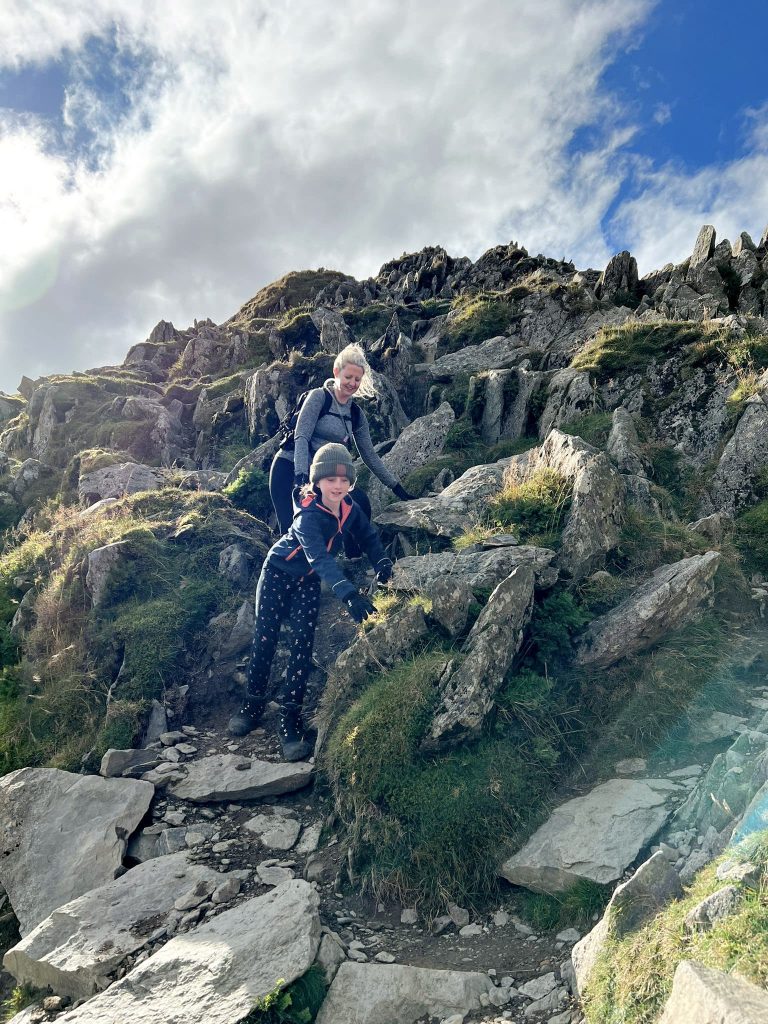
594,836
215,974
232,777
420,442
480,570
619,280
469,684
81,943
668,600
101,562
712,997
745,455
62,835
116,481
623,444
383,993
650,888
594,522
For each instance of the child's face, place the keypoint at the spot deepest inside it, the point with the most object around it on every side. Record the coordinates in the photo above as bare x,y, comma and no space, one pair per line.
334,488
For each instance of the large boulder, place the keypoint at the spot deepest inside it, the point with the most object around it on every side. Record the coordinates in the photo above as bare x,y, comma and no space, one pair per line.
593,525
745,456
618,282
623,445
76,949
479,570
420,442
704,247
100,563
494,354
652,886
117,481
384,993
707,996
62,835
215,974
233,777
596,836
671,598
469,683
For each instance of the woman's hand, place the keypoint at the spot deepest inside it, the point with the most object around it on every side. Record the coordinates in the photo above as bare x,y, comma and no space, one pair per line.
300,479
400,492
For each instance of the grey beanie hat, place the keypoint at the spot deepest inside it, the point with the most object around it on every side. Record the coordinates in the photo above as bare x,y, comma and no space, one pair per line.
332,460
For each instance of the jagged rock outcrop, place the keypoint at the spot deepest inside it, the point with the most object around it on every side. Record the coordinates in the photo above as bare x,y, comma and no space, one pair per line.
420,442
470,681
618,282
215,974
596,836
76,948
383,993
593,524
671,598
713,997
651,887
623,445
62,835
745,456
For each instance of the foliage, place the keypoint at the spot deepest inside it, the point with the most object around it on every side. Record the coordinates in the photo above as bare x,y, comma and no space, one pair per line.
536,505
250,491
751,537
575,907
476,321
631,347
21,997
593,427
298,1003
474,454
633,976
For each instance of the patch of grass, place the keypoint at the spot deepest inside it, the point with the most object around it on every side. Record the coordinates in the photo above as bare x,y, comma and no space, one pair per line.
593,427
751,537
478,320
631,347
571,909
475,454
427,828
648,542
633,976
250,491
295,289
21,997
535,506
232,444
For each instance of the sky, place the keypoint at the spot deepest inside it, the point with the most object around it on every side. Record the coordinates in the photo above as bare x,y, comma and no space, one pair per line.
165,161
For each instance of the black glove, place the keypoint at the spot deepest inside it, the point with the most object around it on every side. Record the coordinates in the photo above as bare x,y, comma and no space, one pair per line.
384,572
300,479
359,607
400,492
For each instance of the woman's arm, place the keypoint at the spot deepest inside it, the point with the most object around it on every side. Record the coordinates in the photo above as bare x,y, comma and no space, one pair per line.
305,428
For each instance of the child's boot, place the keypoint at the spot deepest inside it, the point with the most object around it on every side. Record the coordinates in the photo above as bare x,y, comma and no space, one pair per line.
246,718
295,747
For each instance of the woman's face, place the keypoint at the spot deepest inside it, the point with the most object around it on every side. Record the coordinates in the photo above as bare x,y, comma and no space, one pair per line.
348,379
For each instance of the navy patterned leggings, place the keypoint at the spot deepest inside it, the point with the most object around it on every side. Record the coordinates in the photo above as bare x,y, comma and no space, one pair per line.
281,597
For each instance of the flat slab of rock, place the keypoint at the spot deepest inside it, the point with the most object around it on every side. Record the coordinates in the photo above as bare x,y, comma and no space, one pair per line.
706,996
384,993
480,570
117,481
215,974
74,949
671,598
232,777
62,835
277,831
596,836
115,762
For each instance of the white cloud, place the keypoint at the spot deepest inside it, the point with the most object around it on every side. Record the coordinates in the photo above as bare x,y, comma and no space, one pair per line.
265,137
663,113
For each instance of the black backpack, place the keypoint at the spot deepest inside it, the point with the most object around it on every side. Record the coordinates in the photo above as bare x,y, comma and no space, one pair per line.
289,421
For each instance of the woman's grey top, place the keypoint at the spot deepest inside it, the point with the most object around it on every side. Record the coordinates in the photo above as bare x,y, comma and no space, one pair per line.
313,431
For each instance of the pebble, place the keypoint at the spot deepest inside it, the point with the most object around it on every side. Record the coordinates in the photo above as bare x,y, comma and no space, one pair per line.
409,916
470,930
357,955
459,915
385,958
501,918
186,748
170,739
568,935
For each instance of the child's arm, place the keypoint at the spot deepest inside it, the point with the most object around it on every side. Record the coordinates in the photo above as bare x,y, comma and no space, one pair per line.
308,533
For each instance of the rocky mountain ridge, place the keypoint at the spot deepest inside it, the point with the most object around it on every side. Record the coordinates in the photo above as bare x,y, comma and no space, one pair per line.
574,626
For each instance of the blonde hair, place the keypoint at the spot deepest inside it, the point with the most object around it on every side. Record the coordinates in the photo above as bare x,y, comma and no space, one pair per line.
353,354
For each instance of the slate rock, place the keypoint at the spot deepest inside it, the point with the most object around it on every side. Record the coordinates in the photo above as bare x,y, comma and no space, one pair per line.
707,996
480,570
62,835
216,973
233,777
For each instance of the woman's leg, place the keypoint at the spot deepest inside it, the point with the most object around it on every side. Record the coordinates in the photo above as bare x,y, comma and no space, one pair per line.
280,489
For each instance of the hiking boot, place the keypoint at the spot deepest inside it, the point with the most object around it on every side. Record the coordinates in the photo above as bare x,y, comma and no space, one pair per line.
291,735
246,719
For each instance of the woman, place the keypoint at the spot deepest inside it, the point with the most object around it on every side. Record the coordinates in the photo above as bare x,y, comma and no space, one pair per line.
289,590
341,423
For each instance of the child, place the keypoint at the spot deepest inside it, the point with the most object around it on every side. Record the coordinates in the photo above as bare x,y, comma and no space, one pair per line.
289,588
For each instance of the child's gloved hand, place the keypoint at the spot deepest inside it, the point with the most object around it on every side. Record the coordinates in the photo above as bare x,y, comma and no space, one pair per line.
384,572
359,607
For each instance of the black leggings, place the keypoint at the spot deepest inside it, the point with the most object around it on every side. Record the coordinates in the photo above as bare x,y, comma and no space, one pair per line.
281,597
281,487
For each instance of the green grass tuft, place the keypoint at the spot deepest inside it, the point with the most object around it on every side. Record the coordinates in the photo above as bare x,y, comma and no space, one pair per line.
297,1003
631,347
535,507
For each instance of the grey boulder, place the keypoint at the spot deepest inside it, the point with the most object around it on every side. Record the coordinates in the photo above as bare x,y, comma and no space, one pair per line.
233,777
62,835
707,996
216,973
479,570
420,442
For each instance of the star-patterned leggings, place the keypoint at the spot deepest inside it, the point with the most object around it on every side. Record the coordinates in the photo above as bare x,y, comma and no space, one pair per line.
281,597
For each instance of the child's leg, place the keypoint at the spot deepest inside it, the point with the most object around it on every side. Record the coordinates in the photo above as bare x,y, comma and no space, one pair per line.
273,601
303,616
